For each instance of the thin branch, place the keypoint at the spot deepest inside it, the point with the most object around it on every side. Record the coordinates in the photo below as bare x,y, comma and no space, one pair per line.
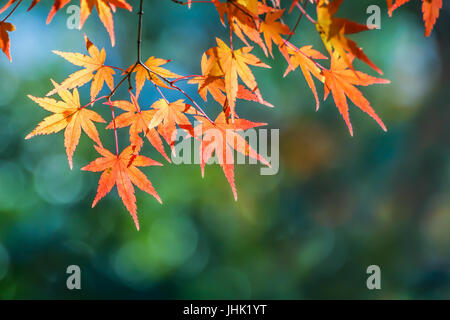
245,12
139,41
187,77
305,13
114,124
117,68
231,35
297,23
149,71
187,3
300,51
94,101
172,84
12,11
127,76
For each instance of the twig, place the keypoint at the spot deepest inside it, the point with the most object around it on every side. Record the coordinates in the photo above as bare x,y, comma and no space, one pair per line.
12,11
305,13
114,124
297,23
139,41
187,3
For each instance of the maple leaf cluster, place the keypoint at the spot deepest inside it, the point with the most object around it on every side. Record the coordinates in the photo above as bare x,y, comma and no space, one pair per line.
226,76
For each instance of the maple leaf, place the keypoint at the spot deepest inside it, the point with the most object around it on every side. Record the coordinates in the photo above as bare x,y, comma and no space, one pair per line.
5,27
94,63
7,5
212,81
243,18
122,171
333,32
138,120
273,29
234,63
221,138
391,6
167,115
68,115
57,5
304,58
104,12
340,80
104,9
430,10
155,74
11,2
237,9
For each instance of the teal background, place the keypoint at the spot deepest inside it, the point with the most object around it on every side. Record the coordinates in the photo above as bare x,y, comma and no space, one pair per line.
338,204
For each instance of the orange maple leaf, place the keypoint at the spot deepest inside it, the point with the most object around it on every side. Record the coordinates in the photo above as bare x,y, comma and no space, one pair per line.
243,18
340,80
430,10
234,63
10,2
57,5
68,115
104,9
221,138
273,29
138,120
5,27
155,74
94,63
333,32
122,171
104,12
212,81
7,5
168,115
304,58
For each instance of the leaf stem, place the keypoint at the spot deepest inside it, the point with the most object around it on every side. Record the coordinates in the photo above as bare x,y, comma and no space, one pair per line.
305,13
297,23
12,11
140,63
108,102
187,3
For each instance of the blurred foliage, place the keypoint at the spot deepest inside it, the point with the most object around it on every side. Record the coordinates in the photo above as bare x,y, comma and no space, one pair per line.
338,204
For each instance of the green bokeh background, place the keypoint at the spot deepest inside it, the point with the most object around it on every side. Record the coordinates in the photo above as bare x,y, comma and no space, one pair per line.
337,205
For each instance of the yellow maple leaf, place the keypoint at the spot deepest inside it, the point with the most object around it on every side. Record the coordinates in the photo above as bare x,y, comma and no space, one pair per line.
69,115
94,69
333,32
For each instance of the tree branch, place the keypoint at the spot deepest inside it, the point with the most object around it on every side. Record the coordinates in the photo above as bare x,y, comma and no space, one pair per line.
139,41
12,11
